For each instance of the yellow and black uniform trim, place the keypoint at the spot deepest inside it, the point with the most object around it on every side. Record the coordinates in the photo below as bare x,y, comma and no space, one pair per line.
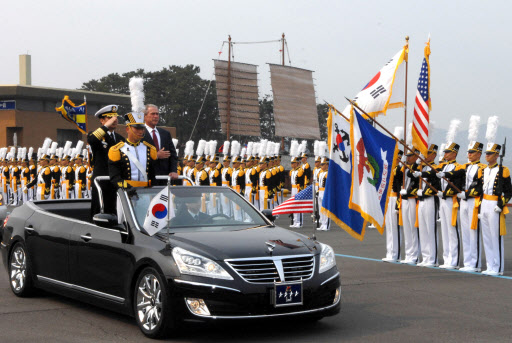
99,133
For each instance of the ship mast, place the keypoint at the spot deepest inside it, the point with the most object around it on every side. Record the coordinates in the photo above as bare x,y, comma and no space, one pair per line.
282,54
228,111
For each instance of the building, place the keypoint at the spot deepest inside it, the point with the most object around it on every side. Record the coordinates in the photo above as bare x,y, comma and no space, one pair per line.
28,112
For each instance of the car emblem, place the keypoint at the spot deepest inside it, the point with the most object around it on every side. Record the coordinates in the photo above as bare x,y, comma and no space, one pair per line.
270,247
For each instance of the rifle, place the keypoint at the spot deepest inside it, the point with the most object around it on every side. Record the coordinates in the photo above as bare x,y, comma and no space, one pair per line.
500,174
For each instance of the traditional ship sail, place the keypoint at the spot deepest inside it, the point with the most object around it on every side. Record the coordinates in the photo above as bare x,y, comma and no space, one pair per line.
237,96
295,112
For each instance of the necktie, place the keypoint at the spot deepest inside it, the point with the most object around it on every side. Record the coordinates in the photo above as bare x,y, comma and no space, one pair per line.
155,140
113,136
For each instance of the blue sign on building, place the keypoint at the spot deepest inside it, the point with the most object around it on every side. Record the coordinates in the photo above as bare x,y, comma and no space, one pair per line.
7,104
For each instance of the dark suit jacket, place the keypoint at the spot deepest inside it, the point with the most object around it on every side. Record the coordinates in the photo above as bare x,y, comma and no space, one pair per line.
183,218
168,165
100,143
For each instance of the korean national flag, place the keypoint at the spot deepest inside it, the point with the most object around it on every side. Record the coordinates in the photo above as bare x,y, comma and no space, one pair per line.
160,211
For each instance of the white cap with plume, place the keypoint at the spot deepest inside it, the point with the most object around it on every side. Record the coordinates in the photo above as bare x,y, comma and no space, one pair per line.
294,148
53,148
189,148
492,130
235,148
249,149
225,148
316,150
452,131
262,148
200,147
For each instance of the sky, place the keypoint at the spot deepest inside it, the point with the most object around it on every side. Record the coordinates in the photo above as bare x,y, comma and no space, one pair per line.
345,43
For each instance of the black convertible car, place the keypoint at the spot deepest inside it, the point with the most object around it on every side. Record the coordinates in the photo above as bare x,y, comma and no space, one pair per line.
219,258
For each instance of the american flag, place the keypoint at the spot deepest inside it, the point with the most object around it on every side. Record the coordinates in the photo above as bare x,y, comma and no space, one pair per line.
422,106
302,202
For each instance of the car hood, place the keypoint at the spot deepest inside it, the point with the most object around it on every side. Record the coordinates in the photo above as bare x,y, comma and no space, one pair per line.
245,243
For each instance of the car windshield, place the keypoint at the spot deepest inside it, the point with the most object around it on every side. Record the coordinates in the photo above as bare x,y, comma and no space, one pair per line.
194,209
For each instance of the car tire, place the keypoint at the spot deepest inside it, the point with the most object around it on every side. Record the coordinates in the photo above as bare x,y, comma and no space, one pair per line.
20,274
152,305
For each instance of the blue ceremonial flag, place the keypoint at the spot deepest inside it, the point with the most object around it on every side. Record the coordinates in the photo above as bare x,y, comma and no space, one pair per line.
337,185
373,160
74,114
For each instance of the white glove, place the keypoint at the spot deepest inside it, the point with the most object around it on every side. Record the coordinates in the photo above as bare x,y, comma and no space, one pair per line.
395,211
497,209
440,194
440,175
461,195
24,189
480,216
420,192
403,192
417,174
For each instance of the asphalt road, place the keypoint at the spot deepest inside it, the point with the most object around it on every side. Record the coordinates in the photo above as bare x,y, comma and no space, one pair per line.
381,302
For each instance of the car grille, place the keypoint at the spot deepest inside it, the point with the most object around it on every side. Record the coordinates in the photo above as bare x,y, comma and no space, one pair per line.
266,270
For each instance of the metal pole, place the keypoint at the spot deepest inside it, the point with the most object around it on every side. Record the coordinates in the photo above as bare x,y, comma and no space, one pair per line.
405,101
282,54
228,111
406,148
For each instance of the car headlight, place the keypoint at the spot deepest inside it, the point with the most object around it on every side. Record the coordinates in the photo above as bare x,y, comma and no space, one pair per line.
194,264
327,258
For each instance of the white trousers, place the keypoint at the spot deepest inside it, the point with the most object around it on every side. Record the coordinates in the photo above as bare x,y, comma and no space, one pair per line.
427,222
411,237
297,217
226,205
325,222
451,251
393,238
470,238
493,242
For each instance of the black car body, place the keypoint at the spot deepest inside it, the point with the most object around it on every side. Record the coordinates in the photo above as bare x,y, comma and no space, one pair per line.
253,268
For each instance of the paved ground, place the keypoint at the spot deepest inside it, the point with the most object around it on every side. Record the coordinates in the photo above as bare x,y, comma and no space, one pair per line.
382,302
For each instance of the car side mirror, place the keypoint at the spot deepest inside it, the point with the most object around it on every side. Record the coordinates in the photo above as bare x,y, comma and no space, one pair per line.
105,220
269,215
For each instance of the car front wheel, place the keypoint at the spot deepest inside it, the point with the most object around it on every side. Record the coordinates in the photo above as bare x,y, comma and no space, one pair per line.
19,272
152,302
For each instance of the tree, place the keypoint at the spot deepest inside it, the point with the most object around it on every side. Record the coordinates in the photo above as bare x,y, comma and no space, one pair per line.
267,123
322,110
179,93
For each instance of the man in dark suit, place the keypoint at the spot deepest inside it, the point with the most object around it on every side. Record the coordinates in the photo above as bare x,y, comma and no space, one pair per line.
100,141
167,162
189,214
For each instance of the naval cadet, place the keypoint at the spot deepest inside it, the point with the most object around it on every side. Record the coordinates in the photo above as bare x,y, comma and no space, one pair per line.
448,206
131,163
100,141
469,197
497,191
428,209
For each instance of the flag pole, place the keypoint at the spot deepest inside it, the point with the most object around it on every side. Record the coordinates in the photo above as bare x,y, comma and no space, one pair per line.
406,147
406,60
315,211
86,119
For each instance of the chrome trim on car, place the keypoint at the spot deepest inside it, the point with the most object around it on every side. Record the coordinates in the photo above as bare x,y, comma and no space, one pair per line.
329,279
277,262
3,245
274,314
47,213
28,228
206,285
80,288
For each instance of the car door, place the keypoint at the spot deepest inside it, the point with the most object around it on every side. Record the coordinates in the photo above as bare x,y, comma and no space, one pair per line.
101,259
47,238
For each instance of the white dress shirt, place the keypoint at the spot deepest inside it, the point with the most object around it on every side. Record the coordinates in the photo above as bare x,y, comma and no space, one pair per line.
150,130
